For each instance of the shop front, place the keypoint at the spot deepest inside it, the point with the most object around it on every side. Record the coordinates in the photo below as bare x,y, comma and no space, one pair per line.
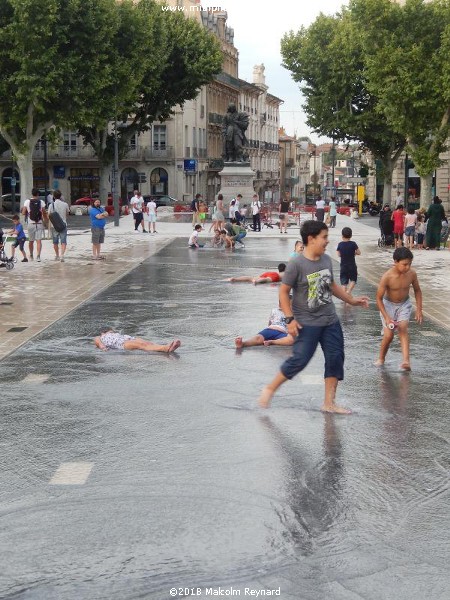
84,182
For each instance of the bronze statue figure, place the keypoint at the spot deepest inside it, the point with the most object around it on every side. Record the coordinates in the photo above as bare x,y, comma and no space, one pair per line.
233,130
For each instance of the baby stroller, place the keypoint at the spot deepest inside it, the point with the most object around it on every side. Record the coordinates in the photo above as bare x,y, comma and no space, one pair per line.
6,262
385,239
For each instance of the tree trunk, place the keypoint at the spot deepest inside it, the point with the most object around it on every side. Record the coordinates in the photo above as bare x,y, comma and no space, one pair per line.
25,165
387,191
425,190
388,167
105,183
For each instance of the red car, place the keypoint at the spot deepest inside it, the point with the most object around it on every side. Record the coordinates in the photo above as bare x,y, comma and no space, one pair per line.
86,201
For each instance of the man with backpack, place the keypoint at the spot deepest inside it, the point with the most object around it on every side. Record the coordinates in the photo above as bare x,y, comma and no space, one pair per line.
34,209
58,212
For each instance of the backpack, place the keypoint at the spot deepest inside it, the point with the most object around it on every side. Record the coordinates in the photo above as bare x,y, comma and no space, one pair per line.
194,205
35,210
56,221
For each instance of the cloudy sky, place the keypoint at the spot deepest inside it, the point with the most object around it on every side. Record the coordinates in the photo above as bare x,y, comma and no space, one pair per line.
258,30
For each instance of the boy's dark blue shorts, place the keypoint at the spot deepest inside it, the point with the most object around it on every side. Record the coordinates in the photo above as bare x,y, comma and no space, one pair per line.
272,334
20,243
348,273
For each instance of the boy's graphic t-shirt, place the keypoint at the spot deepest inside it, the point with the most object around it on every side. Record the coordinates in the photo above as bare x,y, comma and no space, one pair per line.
312,302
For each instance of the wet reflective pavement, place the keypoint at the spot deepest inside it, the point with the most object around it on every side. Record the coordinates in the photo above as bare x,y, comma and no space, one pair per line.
128,475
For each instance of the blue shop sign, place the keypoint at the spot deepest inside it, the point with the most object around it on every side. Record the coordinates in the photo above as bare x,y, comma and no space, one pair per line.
59,172
190,165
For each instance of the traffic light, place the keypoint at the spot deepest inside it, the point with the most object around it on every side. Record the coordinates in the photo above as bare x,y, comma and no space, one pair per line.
363,171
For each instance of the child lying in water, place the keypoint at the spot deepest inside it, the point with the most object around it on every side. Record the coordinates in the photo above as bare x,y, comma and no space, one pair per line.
113,340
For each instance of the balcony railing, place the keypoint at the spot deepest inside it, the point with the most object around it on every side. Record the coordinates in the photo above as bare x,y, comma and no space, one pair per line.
64,151
150,153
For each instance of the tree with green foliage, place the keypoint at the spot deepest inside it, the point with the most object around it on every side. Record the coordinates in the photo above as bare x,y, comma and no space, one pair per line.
170,57
406,50
54,62
327,59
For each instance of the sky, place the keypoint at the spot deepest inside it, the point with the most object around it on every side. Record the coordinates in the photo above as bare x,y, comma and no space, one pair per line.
258,28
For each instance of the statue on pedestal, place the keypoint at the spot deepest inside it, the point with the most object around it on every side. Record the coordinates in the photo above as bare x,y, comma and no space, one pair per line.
233,131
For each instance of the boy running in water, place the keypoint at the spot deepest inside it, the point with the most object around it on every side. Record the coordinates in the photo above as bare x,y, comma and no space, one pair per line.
312,318
395,306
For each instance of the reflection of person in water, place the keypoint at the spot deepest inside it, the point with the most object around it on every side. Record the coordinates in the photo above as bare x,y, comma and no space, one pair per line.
313,486
233,130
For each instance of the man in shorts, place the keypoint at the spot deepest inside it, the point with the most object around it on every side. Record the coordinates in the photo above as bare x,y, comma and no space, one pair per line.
98,216
59,237
275,333
137,206
34,211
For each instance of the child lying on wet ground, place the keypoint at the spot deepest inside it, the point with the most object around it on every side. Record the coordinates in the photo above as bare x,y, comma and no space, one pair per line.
113,340
275,333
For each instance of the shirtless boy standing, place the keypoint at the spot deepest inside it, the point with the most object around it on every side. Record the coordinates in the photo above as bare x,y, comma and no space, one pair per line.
395,305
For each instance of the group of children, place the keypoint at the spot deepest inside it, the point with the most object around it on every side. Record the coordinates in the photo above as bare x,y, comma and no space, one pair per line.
306,294
410,228
231,234
306,315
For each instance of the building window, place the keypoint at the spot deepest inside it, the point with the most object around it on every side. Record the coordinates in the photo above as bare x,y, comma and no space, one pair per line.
133,142
70,143
159,137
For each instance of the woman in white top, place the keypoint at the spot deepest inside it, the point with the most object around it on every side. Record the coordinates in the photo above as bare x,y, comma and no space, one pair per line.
320,209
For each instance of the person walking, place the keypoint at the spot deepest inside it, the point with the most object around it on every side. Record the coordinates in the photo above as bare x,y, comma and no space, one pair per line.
283,209
434,217
34,210
333,212
256,210
61,208
320,210
97,215
137,206
20,236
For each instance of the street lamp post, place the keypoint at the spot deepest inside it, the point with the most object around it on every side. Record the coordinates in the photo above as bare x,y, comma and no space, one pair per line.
333,154
13,185
114,179
44,141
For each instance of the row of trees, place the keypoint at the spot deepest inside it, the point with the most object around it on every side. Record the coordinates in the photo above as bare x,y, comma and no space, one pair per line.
81,64
378,73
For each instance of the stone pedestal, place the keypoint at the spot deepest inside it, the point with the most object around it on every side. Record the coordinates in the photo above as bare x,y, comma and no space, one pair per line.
237,178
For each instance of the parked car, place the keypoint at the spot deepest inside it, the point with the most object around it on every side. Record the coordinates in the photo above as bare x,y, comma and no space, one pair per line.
162,200
85,201
7,200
